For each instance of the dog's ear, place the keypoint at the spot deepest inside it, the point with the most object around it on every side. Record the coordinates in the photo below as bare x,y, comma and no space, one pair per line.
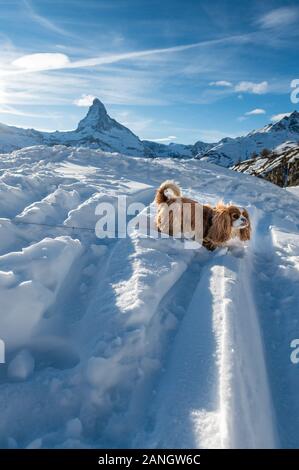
220,230
245,233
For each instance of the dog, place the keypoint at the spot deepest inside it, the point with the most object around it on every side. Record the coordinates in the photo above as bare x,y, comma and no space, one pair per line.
210,226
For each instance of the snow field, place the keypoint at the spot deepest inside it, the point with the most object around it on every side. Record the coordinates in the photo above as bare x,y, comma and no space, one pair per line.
137,341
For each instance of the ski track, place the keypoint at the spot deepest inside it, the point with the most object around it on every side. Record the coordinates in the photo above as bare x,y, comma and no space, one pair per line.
277,296
175,346
214,391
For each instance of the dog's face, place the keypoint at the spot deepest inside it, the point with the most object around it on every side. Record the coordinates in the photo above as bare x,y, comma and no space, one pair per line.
229,219
239,217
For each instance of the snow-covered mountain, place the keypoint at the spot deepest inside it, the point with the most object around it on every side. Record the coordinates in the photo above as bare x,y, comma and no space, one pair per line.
97,130
13,138
281,166
137,341
230,151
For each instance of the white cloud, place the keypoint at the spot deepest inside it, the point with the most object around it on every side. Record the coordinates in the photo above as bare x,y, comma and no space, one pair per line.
256,111
221,83
251,87
41,61
278,117
61,61
279,17
165,139
84,100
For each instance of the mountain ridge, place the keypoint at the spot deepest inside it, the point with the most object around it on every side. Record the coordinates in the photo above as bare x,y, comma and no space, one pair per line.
97,130
229,152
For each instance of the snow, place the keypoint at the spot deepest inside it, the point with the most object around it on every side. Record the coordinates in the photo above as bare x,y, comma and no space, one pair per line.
294,190
138,341
22,366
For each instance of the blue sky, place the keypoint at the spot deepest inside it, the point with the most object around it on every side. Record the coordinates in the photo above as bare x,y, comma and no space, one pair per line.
180,70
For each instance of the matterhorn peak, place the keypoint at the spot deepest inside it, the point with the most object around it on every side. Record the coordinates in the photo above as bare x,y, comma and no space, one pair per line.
97,118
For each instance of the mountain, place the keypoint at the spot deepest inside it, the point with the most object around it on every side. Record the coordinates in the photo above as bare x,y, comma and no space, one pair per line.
281,166
13,138
230,151
98,131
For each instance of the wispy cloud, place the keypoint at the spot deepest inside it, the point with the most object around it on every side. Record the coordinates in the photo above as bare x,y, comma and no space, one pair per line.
255,112
279,17
43,21
48,61
221,83
17,112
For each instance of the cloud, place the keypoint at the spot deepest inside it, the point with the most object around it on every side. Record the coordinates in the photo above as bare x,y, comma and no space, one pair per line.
42,21
253,112
278,117
221,83
16,112
85,100
165,139
256,111
114,58
279,17
41,61
251,87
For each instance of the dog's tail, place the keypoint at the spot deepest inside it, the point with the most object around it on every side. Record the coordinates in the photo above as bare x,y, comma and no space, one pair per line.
167,190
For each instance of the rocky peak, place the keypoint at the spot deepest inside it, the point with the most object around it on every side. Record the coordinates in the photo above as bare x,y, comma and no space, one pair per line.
97,118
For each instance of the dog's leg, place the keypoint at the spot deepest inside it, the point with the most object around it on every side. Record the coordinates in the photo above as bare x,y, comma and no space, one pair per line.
208,245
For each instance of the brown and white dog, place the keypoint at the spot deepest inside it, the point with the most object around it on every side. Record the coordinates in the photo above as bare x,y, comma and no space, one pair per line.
211,226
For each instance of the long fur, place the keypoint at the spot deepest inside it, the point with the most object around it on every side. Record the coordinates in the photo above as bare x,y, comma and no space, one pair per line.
217,223
167,190
245,233
220,230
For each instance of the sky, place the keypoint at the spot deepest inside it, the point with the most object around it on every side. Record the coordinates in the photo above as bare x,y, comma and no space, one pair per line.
171,70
